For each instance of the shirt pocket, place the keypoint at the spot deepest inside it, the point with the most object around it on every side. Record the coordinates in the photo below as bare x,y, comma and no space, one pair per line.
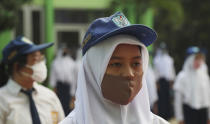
19,113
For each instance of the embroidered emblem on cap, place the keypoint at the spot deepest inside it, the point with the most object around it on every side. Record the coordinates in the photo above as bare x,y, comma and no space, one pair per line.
26,40
86,39
120,21
12,54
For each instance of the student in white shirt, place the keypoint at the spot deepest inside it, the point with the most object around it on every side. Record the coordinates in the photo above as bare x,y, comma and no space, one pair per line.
165,74
192,94
63,78
23,100
111,85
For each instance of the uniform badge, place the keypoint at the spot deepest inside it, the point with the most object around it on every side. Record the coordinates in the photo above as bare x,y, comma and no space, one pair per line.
54,115
120,21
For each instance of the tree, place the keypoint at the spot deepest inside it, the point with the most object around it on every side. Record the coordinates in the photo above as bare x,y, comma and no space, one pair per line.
8,12
134,9
194,30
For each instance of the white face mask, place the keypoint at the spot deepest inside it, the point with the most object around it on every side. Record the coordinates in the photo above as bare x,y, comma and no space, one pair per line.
39,71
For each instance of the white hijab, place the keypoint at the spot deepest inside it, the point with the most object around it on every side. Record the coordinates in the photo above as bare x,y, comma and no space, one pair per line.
90,106
151,85
194,84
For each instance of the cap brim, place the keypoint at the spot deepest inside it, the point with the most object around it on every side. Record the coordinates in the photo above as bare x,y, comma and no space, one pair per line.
144,34
38,47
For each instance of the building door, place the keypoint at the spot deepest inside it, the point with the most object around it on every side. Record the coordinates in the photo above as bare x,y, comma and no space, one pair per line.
70,36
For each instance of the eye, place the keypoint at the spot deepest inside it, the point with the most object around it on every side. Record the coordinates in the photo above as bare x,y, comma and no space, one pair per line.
116,64
136,64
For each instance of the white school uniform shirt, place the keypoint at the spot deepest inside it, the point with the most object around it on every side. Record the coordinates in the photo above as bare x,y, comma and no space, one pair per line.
192,87
64,69
15,106
164,66
91,107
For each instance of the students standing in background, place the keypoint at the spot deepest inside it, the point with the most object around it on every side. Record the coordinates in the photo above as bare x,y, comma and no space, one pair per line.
192,94
165,74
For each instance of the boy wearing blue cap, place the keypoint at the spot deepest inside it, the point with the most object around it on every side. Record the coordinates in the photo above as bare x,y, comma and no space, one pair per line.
111,86
23,100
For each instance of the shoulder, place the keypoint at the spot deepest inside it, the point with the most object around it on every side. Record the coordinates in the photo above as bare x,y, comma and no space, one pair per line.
5,97
3,90
159,120
42,90
181,76
69,119
4,93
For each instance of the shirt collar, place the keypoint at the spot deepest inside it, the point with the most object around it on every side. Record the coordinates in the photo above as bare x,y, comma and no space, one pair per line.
36,87
15,88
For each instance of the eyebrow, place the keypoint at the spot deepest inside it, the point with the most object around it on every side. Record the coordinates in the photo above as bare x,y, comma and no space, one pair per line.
119,58
116,57
137,57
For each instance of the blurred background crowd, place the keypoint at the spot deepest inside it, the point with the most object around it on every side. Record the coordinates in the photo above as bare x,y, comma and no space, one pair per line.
179,24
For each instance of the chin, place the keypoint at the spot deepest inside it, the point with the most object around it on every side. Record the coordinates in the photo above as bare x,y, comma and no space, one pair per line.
126,102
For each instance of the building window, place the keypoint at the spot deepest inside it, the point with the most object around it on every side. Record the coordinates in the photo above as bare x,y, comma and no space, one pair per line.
77,16
36,27
19,24
69,38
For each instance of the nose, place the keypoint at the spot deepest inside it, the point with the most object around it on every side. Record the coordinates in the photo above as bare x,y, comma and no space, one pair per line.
128,72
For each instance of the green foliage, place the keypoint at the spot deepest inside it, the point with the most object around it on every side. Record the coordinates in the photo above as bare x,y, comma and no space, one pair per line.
8,12
133,9
179,23
194,30
170,10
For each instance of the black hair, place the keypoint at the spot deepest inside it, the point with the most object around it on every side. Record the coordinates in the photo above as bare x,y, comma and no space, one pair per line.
4,76
6,69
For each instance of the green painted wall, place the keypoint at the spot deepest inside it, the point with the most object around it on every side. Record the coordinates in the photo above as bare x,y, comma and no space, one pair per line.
77,4
38,2
49,29
148,20
5,38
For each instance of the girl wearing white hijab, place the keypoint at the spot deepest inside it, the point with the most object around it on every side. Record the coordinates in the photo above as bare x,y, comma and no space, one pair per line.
192,94
111,82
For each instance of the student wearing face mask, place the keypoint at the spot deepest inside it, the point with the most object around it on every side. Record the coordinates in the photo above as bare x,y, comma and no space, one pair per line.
111,85
23,100
192,94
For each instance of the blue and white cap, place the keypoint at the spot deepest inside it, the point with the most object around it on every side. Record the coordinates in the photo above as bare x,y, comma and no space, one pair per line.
192,50
116,24
195,49
20,46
